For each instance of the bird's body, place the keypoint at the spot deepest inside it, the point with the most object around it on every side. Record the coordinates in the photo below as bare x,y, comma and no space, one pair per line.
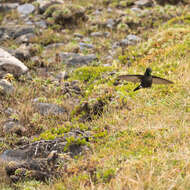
145,80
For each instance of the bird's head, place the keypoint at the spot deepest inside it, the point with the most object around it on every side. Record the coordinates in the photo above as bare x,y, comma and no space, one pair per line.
148,71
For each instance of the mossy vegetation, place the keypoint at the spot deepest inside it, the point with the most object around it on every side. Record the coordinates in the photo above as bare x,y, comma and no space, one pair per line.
64,14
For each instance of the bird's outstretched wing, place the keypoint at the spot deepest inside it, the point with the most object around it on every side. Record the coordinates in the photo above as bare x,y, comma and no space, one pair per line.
158,80
131,78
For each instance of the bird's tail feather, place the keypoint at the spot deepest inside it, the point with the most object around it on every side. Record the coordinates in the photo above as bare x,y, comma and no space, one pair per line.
138,87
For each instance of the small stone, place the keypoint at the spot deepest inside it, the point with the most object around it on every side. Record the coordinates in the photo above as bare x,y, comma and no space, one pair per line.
26,38
13,127
62,75
9,111
110,23
136,10
96,34
23,52
109,10
54,46
84,45
106,34
115,45
26,9
144,3
41,24
86,40
6,87
130,40
77,35
97,12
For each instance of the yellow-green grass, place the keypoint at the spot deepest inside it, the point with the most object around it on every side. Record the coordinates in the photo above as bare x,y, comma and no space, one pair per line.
145,143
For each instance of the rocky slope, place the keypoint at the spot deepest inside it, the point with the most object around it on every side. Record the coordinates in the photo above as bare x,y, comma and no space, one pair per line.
58,66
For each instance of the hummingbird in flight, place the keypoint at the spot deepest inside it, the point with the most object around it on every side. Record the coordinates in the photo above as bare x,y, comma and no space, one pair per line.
145,80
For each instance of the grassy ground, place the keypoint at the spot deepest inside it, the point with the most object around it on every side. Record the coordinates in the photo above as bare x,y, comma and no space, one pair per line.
142,139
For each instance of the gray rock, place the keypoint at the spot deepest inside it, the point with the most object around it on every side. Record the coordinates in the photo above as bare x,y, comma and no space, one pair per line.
77,35
130,40
6,87
14,155
62,75
106,34
26,38
8,6
144,3
86,40
49,109
13,127
10,64
109,10
54,46
29,22
136,10
14,31
23,52
26,9
115,45
41,24
84,46
110,23
9,111
97,12
74,59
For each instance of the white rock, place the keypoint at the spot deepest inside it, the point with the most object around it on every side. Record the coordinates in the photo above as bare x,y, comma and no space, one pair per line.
11,64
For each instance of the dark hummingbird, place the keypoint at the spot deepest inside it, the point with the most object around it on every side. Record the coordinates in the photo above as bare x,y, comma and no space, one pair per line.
145,80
